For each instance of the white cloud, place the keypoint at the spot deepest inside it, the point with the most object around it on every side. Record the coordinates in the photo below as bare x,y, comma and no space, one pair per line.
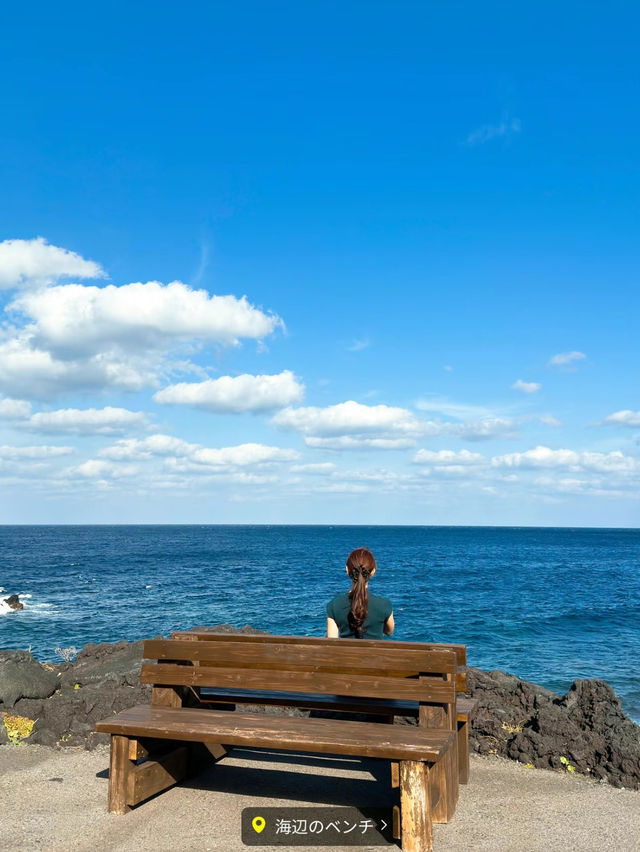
352,425
526,387
242,455
146,448
548,420
14,409
504,129
236,394
87,421
566,359
24,368
38,452
99,469
448,457
623,418
137,317
77,338
159,445
349,418
484,430
355,442
36,262
545,457
320,467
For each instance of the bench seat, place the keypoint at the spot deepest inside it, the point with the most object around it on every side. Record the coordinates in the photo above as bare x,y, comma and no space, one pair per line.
367,739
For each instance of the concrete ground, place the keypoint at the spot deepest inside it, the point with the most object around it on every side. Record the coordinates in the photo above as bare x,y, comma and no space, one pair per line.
56,801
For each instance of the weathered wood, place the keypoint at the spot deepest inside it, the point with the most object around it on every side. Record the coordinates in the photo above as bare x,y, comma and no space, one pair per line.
217,751
326,736
206,633
466,708
417,832
431,689
395,817
119,769
372,645
395,774
137,750
222,697
438,792
463,752
451,769
395,661
153,776
166,696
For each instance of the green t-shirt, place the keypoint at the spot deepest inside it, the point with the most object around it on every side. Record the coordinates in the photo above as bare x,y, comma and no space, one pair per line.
378,611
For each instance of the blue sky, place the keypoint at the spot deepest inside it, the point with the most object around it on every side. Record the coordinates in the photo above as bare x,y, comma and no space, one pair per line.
431,209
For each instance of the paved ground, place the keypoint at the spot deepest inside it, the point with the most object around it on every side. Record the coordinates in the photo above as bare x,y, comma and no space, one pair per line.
56,801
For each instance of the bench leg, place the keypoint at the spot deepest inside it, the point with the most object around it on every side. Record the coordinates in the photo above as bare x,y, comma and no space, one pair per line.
119,768
444,777
463,751
415,807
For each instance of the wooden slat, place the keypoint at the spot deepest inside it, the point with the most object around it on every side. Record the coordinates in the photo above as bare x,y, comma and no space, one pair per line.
153,776
465,707
426,689
204,633
274,655
305,641
327,736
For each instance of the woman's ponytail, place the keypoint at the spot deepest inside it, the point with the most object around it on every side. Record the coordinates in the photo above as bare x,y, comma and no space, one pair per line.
361,566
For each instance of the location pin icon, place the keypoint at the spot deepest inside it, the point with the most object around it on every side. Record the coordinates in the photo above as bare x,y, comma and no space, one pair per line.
258,824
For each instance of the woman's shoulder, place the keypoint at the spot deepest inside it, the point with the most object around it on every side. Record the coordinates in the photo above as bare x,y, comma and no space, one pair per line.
382,602
339,601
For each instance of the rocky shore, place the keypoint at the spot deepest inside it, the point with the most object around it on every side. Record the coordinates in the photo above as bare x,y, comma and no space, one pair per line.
584,731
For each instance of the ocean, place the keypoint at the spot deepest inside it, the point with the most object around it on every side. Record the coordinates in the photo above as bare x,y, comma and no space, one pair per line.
548,605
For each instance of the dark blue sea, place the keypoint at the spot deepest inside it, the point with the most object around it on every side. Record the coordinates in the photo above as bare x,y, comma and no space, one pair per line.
548,605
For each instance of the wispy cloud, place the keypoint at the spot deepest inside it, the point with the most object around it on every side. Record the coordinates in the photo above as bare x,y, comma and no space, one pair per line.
623,418
358,345
526,387
566,360
505,129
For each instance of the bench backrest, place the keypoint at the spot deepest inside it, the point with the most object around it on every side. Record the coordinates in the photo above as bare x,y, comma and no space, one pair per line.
460,651
427,677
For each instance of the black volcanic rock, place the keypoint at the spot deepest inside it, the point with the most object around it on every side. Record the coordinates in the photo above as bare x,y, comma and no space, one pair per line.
13,602
585,729
21,676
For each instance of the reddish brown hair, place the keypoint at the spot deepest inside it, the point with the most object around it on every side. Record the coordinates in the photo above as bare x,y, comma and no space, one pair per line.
361,565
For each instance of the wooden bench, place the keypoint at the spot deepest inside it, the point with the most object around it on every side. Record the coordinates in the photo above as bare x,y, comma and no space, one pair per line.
148,751
465,707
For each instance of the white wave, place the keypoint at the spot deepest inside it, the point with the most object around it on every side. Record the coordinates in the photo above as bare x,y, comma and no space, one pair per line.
26,599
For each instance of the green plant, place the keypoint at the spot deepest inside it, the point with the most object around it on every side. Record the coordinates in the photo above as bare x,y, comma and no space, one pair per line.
567,765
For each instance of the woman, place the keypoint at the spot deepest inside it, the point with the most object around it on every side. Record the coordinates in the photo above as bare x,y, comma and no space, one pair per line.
358,613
